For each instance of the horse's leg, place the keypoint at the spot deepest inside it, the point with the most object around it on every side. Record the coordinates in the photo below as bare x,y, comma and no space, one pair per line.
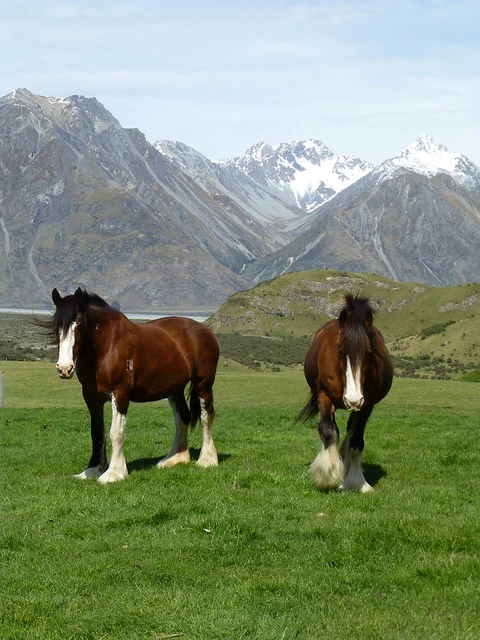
208,454
352,451
98,460
326,471
179,451
117,469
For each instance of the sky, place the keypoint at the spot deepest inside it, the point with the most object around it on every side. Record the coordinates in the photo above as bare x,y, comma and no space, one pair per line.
365,77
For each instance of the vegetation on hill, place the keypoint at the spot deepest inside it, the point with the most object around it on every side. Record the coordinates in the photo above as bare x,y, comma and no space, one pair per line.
430,331
22,339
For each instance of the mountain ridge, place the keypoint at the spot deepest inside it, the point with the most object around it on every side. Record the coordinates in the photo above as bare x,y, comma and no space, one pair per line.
84,202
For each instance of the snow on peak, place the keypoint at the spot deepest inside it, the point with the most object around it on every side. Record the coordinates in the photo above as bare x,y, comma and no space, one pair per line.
426,157
424,144
307,168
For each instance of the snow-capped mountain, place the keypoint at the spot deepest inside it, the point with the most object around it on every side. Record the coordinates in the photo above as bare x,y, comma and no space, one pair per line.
426,157
305,170
414,218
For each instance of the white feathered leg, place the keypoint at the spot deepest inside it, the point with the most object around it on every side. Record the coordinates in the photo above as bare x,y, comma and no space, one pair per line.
208,454
326,471
117,469
354,479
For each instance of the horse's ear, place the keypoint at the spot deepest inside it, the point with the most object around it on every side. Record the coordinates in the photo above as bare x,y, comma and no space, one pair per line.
342,318
79,296
56,297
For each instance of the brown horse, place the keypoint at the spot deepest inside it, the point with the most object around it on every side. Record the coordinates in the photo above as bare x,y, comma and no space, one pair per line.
119,360
347,367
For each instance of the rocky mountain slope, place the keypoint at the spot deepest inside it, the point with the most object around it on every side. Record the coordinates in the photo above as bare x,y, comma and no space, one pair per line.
305,170
280,185
415,218
85,202
233,189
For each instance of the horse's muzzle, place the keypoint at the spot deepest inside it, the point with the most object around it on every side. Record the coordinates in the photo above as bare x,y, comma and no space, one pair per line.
353,405
66,372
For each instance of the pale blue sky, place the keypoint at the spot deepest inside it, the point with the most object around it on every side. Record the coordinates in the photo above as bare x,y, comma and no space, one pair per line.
366,77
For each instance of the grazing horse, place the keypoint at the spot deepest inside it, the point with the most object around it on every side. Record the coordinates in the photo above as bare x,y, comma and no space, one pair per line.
346,367
120,360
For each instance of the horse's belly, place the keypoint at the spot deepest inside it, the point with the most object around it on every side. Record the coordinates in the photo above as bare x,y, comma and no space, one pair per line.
148,388
142,394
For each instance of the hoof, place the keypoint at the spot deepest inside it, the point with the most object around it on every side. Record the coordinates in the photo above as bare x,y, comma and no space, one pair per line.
208,460
91,472
182,457
112,475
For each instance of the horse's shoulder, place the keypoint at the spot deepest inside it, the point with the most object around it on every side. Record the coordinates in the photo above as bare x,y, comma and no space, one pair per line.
327,329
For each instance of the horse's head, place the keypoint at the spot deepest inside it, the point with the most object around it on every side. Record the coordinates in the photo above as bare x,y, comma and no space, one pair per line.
66,324
69,324
355,349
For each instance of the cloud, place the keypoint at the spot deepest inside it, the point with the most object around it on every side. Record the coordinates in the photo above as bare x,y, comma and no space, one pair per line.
224,75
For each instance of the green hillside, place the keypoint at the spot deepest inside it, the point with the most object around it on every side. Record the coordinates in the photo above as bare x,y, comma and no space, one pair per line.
432,331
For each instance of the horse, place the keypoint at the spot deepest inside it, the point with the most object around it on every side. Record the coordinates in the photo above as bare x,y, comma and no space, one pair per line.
117,359
347,367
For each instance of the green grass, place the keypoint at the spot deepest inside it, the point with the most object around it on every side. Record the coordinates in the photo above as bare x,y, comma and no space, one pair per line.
248,550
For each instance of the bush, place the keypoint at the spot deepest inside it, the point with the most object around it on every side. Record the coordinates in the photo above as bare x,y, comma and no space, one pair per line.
471,376
435,328
253,351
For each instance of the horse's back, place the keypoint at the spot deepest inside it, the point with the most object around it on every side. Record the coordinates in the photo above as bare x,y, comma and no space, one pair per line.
192,338
180,327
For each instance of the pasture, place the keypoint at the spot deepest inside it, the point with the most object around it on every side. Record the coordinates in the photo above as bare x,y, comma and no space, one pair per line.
249,549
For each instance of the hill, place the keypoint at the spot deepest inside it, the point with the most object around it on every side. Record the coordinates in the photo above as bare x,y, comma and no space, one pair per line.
429,330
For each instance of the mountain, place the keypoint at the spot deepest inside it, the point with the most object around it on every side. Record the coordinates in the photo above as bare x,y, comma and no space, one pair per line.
85,202
414,218
428,158
279,185
306,172
234,190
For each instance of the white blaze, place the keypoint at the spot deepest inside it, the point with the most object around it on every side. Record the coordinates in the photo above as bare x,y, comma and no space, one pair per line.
353,388
65,348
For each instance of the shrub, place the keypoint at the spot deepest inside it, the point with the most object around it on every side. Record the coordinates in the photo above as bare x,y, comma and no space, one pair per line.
435,328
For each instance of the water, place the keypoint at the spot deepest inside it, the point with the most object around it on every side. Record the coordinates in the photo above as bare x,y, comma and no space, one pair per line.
131,316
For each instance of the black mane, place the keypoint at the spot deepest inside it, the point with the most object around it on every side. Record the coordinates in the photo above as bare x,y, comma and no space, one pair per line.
356,321
66,312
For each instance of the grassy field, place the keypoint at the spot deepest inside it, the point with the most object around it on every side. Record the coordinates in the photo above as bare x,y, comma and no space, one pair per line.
248,550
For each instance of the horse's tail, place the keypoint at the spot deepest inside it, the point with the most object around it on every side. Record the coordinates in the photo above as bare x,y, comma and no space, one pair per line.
309,411
194,401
